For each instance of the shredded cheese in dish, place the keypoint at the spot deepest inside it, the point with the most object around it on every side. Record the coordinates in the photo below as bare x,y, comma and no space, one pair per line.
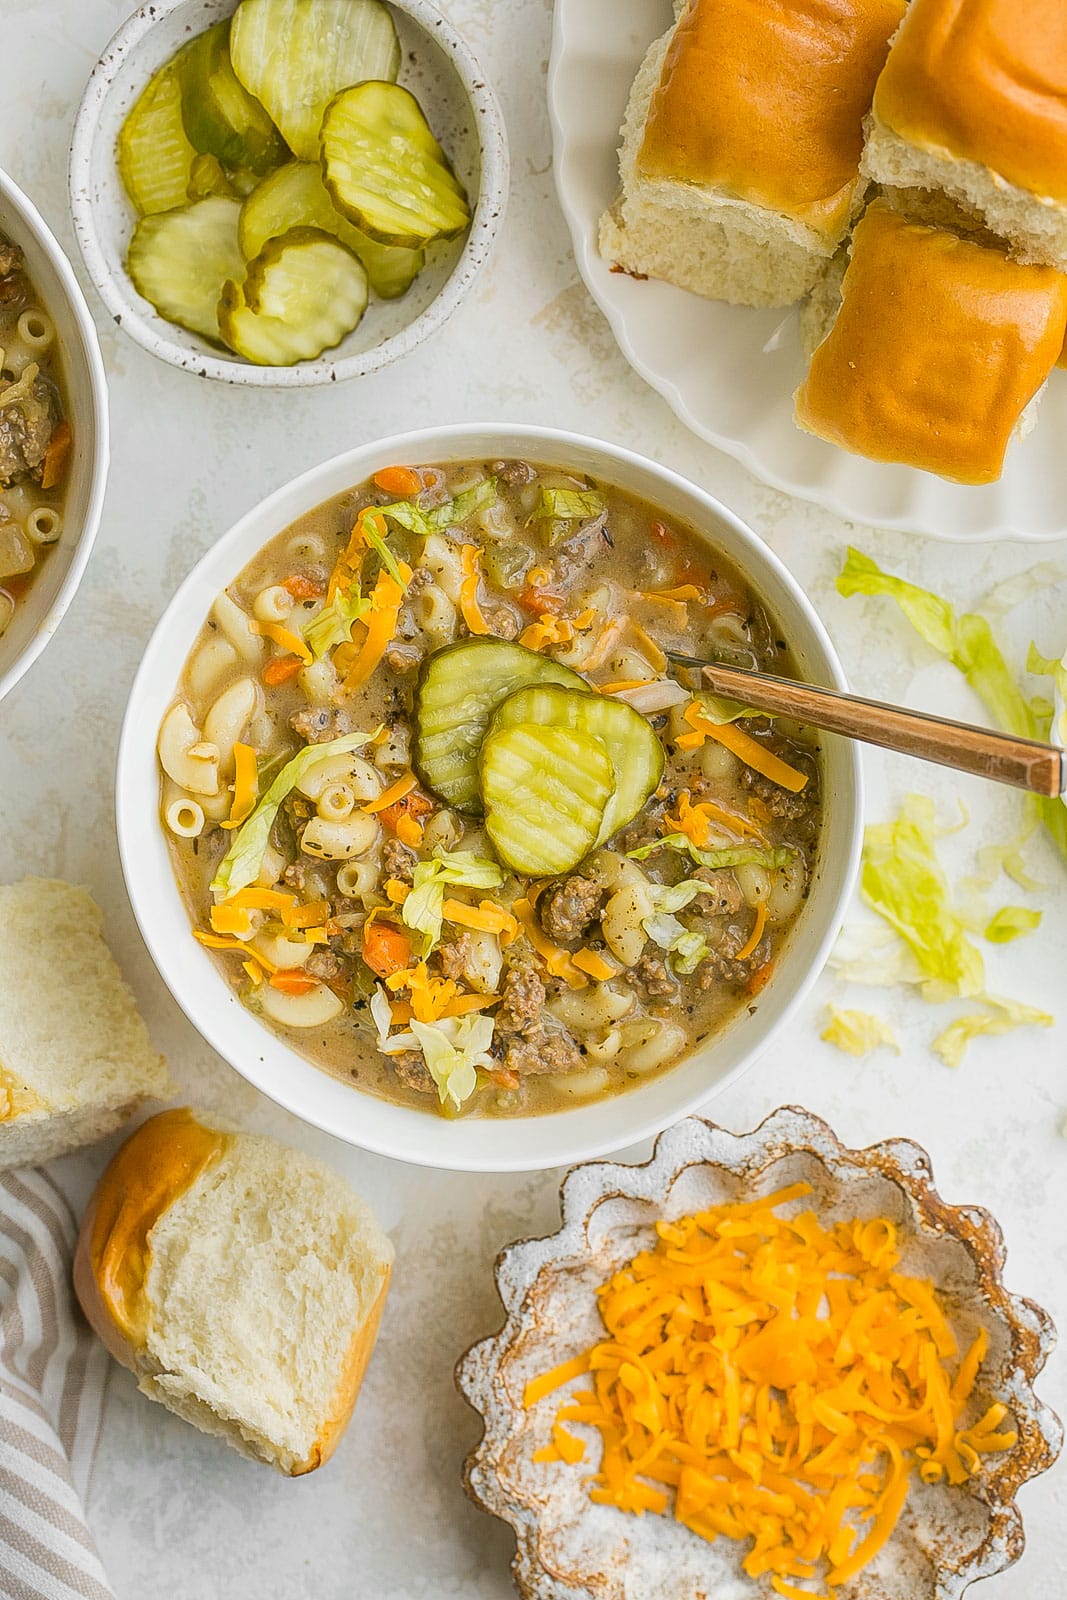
768,1379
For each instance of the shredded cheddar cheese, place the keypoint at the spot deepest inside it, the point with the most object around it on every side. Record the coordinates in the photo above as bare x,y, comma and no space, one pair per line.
284,638
696,821
593,963
245,785
550,629
389,797
432,998
559,962
770,1380
484,918
757,932
468,591
744,747
386,599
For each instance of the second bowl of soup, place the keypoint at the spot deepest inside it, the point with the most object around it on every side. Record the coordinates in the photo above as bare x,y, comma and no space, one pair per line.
432,839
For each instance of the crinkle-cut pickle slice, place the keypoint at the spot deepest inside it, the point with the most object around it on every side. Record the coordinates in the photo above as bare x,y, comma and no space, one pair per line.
458,690
155,157
221,118
179,260
628,737
295,55
295,197
545,792
303,294
386,172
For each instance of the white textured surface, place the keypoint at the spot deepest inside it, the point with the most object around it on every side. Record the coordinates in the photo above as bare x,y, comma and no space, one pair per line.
177,1516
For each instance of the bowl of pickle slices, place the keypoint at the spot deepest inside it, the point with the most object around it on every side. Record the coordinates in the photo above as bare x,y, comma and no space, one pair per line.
286,192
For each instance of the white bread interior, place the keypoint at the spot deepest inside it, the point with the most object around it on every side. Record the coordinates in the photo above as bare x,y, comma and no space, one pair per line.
697,236
266,1281
75,1057
1034,229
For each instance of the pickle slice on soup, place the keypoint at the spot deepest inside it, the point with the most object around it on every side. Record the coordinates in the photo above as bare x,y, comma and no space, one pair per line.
545,791
630,741
458,690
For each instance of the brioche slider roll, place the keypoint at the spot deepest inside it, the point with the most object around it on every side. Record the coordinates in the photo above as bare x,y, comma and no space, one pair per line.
741,148
938,348
973,102
240,1281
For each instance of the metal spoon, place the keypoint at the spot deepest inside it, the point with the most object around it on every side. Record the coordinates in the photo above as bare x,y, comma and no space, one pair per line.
1023,763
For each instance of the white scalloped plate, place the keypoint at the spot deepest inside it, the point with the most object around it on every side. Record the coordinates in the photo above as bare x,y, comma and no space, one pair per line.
730,373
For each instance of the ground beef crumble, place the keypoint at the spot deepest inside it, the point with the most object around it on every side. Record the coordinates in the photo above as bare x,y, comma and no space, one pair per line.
455,957
522,1000
568,906
398,861
412,1070
540,1051
651,972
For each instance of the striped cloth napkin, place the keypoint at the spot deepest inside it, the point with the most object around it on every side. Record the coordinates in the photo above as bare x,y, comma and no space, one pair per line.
52,1376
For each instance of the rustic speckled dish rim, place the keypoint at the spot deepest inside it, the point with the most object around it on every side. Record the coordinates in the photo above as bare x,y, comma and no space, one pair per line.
629,1197
75,327
122,301
514,1144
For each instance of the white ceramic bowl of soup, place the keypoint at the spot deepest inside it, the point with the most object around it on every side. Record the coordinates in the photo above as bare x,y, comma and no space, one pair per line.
40,610
438,68
352,1114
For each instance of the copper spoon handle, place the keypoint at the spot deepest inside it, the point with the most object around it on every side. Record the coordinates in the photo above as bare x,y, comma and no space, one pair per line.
1023,763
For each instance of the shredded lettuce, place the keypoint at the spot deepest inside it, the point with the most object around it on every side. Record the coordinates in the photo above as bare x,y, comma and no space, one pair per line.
902,880
450,513
1009,922
569,505
968,642
453,513
857,1032
423,909
719,710
333,625
454,1049
1002,1017
388,560
739,856
875,956
686,948
382,1015
240,865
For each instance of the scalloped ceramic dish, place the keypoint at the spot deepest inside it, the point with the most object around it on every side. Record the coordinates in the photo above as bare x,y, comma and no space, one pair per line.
571,1549
729,372
461,107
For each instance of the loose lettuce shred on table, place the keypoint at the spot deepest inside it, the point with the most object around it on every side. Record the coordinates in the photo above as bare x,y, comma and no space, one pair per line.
902,879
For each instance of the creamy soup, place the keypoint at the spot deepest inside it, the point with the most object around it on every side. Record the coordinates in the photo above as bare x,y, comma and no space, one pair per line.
450,818
35,437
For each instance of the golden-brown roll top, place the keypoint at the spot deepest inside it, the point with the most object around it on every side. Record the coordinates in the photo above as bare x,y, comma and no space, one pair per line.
155,1166
939,346
984,81
766,99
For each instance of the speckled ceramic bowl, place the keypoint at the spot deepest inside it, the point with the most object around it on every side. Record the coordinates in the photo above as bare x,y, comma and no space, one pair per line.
39,613
268,1060
570,1549
462,110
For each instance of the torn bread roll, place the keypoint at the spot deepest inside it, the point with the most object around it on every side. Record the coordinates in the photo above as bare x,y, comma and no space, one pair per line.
973,103
935,348
240,1281
739,164
75,1057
